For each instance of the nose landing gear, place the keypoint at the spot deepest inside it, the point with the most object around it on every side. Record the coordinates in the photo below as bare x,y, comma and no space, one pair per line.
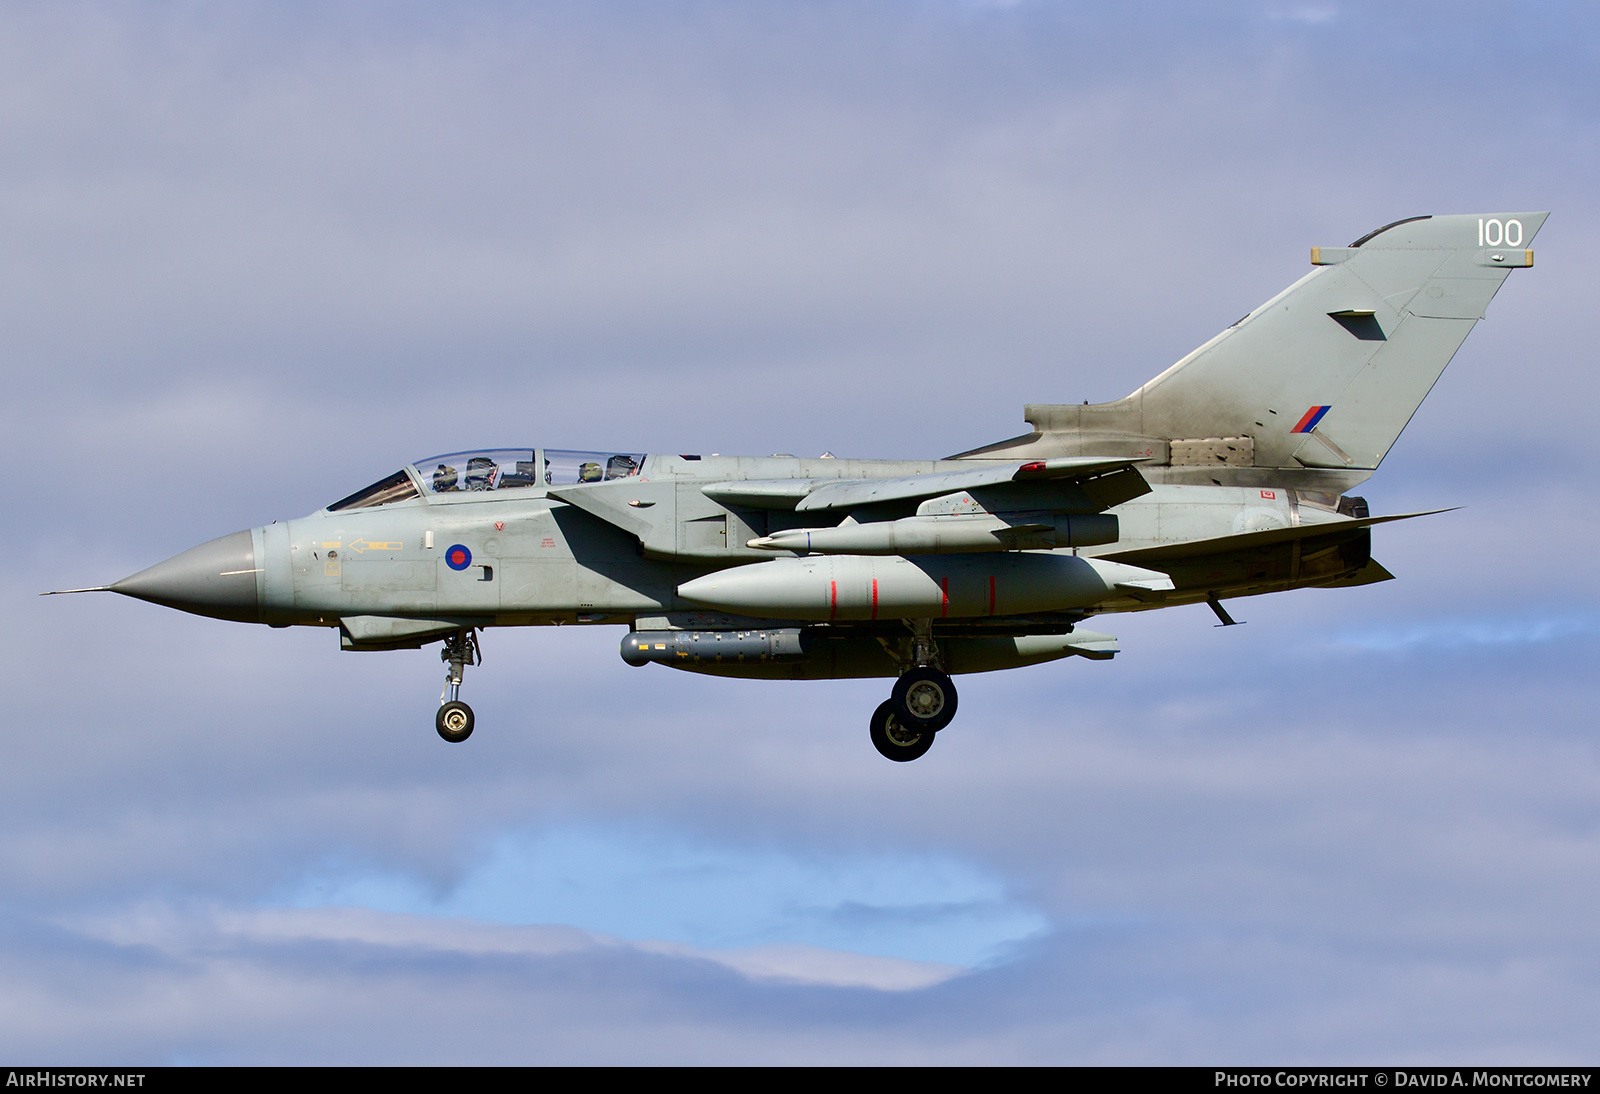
454,720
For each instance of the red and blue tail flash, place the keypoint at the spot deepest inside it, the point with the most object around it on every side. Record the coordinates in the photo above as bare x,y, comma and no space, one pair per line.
1309,422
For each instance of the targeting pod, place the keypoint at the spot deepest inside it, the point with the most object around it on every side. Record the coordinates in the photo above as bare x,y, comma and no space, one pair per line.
701,647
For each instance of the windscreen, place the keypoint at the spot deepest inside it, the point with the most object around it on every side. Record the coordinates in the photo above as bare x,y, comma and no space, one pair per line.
397,487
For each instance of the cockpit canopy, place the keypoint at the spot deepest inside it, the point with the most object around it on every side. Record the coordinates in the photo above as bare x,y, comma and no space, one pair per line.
497,469
563,468
494,469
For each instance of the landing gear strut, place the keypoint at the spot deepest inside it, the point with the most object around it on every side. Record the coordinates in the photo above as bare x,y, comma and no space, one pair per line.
922,703
454,720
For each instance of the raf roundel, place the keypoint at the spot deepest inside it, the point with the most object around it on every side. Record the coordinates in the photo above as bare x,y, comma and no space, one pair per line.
458,557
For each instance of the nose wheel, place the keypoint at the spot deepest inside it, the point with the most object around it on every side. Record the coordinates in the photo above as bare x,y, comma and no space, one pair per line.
454,720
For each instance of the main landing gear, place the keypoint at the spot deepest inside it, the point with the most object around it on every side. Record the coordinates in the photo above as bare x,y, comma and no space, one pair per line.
923,702
454,720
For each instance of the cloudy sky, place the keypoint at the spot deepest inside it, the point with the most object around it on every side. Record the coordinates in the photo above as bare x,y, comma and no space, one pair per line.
254,256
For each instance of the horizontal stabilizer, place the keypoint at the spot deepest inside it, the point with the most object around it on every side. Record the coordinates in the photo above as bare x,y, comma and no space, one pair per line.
1172,552
1370,574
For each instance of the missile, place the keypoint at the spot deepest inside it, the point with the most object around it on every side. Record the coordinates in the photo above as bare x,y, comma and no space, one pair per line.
929,535
824,587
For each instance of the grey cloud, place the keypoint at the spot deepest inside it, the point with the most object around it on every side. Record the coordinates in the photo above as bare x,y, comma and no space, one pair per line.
235,988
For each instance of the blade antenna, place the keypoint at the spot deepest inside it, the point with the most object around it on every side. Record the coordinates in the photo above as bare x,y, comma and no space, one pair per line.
1222,613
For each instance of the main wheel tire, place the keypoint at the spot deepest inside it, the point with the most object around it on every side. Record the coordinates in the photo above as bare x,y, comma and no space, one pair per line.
454,722
893,740
925,698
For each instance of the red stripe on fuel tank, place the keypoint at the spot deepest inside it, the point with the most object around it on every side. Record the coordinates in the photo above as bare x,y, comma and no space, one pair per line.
833,599
874,598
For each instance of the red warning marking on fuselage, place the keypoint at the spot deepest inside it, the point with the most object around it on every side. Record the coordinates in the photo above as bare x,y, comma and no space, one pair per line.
874,598
944,596
833,599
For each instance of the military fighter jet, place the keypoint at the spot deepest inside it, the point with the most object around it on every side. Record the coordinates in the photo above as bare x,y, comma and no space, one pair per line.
1228,475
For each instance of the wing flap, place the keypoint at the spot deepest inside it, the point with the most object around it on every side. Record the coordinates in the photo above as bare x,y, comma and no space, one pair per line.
854,493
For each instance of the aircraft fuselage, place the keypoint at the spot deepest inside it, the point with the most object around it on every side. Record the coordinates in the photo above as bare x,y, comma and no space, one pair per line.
523,557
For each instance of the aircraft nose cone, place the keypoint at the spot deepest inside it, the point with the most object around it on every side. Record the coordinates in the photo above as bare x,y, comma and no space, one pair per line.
216,579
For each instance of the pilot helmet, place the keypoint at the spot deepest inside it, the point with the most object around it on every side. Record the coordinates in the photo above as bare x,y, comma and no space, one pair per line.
482,471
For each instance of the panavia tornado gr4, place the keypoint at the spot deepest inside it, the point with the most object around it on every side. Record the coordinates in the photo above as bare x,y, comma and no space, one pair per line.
1228,475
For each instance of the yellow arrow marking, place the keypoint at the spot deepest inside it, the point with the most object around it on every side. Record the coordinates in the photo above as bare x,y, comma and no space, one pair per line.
359,545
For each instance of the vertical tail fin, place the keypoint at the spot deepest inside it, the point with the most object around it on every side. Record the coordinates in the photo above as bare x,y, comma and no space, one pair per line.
1335,366
1327,373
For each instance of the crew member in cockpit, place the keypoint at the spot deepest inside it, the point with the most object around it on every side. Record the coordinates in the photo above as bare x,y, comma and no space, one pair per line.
444,479
620,467
483,473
